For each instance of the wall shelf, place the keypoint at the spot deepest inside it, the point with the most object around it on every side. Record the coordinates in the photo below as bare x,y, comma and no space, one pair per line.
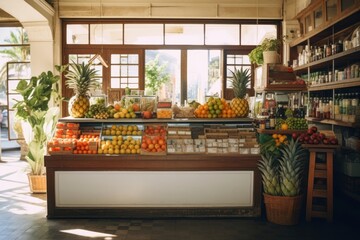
333,122
353,82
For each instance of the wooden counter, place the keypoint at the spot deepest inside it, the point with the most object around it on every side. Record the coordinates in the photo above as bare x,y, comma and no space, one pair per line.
194,163
172,185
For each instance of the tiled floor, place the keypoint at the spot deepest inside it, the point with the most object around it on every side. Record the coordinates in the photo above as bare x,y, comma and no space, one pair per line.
23,216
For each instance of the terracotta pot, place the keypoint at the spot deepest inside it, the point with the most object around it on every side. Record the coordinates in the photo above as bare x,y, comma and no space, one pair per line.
283,210
37,183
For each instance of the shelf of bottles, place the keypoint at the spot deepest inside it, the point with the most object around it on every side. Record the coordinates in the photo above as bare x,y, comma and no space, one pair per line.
339,107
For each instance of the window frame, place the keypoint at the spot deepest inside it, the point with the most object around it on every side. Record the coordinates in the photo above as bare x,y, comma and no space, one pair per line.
106,49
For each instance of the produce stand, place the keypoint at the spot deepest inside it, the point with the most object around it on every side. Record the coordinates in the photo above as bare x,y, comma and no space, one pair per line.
155,185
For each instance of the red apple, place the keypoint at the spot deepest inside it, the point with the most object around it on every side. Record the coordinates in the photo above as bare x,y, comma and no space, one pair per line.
295,136
314,129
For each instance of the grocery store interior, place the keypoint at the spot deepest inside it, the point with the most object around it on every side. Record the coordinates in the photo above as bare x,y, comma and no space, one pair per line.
159,119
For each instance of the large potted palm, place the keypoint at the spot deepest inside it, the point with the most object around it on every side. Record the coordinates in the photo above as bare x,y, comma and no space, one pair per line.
38,111
282,183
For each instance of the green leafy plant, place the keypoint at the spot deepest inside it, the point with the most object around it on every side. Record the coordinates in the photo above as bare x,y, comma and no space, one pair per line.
268,44
38,118
155,75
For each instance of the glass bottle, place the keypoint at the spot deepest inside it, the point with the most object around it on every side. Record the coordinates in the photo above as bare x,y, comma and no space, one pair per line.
272,119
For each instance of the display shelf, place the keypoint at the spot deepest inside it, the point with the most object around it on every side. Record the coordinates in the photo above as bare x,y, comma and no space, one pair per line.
282,88
333,122
343,56
319,31
278,131
155,120
353,82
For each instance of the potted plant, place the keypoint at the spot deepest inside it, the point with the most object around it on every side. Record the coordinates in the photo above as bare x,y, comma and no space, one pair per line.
266,52
282,182
38,121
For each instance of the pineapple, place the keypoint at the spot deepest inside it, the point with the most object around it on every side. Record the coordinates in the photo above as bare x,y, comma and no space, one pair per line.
282,176
81,78
291,168
269,169
239,80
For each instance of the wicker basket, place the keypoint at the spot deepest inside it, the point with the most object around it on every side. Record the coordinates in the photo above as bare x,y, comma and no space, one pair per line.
37,183
283,210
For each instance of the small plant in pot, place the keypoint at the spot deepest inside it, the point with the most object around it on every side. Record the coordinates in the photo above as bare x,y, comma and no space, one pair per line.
38,121
268,46
282,183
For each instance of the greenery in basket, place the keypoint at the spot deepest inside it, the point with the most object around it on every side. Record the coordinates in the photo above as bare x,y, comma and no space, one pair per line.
268,44
38,118
282,174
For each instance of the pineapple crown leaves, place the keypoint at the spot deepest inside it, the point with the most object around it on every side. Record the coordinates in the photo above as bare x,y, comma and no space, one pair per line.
269,168
291,168
281,176
239,80
81,78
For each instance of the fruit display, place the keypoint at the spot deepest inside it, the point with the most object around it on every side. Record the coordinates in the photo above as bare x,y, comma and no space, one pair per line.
214,108
184,112
120,145
154,139
291,123
122,130
240,79
122,112
64,139
61,146
98,111
313,136
81,78
86,144
67,130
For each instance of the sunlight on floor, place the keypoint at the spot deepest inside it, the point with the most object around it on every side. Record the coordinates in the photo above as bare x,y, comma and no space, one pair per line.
90,234
26,209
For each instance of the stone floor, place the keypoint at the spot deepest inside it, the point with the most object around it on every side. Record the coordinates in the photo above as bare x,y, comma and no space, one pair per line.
23,216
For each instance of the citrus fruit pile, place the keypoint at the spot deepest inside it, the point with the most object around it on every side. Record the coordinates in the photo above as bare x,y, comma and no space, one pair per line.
214,108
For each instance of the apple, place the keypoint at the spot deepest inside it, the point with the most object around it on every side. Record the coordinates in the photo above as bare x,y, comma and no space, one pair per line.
334,141
314,129
316,141
311,141
325,141
294,136
310,131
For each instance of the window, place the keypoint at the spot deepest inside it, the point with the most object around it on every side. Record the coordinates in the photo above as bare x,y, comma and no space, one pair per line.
193,55
14,47
124,71
80,58
162,74
222,34
77,34
144,34
204,76
178,34
106,34
254,34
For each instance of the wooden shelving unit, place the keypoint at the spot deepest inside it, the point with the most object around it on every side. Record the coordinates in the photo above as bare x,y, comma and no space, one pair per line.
353,82
333,122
